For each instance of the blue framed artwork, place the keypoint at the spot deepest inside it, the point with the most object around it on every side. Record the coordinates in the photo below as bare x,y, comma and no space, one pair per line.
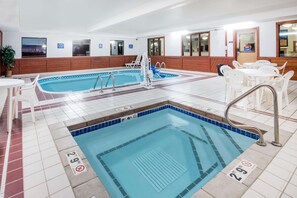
130,46
60,45
100,45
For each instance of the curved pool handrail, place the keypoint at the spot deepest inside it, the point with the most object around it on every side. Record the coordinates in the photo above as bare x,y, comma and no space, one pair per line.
101,83
261,141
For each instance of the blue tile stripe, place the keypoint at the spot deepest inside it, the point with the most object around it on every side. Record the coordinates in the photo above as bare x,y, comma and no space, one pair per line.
214,148
95,127
232,141
197,181
167,106
197,158
191,135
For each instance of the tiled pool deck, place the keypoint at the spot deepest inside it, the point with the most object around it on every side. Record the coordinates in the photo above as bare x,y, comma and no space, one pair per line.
35,168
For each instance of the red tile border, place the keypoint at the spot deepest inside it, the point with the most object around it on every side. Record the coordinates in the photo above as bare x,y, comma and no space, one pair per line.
14,179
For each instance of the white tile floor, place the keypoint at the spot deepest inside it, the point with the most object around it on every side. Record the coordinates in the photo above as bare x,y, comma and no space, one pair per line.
44,175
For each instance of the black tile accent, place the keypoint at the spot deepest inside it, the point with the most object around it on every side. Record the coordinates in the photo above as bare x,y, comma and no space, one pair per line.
131,141
117,183
213,147
189,134
197,181
232,140
198,162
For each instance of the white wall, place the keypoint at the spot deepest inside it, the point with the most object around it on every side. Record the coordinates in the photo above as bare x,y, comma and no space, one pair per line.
267,39
172,45
217,43
14,39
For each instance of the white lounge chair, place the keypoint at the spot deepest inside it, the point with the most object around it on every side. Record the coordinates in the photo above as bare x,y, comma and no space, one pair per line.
135,63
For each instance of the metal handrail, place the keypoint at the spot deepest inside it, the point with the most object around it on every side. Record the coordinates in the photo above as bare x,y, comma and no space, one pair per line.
111,75
101,83
261,141
113,82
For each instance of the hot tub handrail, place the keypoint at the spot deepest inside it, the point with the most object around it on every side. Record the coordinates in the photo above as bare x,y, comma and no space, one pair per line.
101,83
261,141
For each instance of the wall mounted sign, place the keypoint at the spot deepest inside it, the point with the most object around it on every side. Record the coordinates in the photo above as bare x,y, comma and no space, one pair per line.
100,45
242,170
60,45
130,46
75,162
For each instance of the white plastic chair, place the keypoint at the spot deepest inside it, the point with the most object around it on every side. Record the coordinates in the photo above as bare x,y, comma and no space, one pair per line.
238,84
237,65
135,63
281,86
282,67
269,70
29,88
224,70
263,62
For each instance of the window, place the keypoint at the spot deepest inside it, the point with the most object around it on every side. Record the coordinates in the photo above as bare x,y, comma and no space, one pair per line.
156,46
287,39
195,44
81,47
33,47
247,42
116,48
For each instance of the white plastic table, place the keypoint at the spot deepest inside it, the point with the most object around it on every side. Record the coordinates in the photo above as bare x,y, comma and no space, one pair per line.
258,76
10,84
257,65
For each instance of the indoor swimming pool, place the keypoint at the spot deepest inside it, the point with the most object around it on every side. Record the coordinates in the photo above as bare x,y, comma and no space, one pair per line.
165,152
83,82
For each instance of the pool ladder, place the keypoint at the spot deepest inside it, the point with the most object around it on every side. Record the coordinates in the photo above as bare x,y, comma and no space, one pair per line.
261,141
111,75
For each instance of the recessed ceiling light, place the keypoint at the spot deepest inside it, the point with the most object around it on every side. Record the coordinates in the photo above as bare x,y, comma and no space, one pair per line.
204,37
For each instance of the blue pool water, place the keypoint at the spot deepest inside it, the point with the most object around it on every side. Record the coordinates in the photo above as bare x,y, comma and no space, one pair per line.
162,154
81,82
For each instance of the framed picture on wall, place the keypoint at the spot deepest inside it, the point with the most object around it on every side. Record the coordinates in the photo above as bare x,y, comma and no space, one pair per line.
283,39
60,45
34,47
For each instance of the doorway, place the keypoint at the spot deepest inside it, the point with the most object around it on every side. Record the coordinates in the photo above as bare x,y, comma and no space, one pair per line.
116,48
247,45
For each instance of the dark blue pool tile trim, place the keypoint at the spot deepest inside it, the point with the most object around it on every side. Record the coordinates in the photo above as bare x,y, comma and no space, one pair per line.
197,181
167,106
189,134
197,158
232,141
214,148
95,127
117,183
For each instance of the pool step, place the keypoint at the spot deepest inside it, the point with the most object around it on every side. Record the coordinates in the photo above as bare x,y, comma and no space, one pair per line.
159,168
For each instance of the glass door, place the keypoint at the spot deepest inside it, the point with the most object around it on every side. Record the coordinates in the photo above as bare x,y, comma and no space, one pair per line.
247,45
